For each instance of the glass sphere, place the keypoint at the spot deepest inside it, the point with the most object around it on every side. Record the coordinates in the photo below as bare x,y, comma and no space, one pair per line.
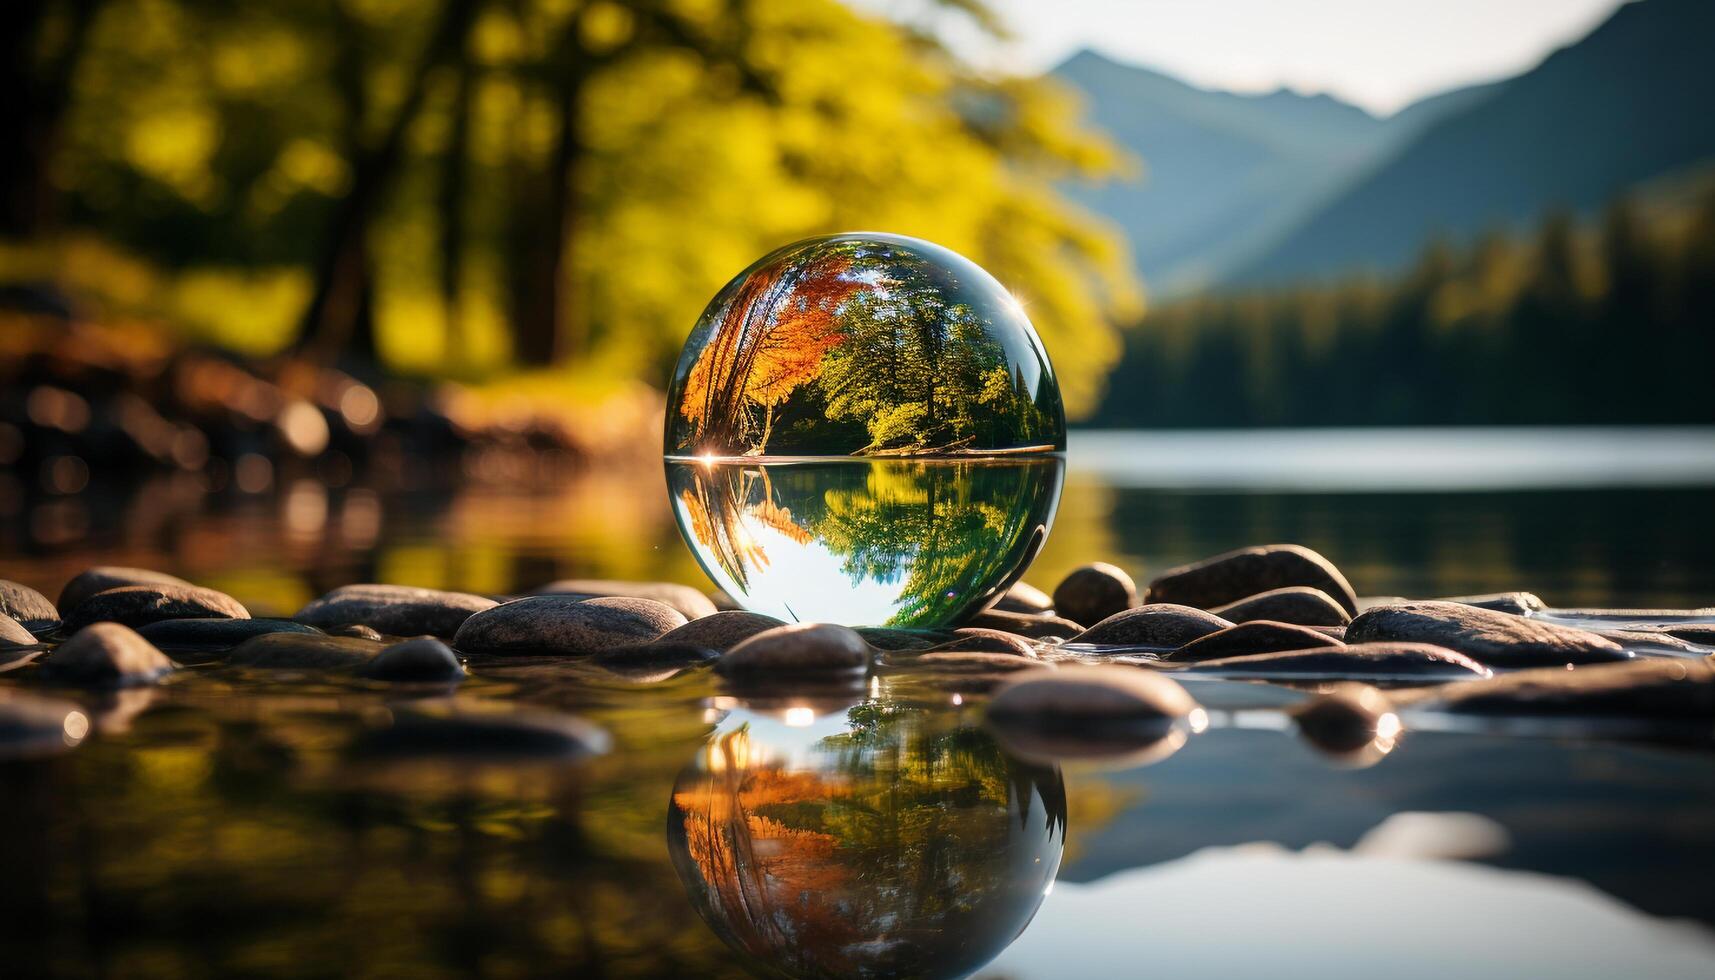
864,429
881,841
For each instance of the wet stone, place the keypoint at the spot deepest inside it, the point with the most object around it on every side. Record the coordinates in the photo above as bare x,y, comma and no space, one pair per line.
1515,603
1092,699
802,648
1234,575
976,640
103,577
1652,641
422,659
393,610
1161,625
1494,638
1028,626
1025,598
139,605
32,726
974,662
1094,592
720,631
890,639
1655,689
357,630
566,625
216,634
1250,638
298,651
1301,605
1365,661
661,653
690,603
106,655
13,634
29,608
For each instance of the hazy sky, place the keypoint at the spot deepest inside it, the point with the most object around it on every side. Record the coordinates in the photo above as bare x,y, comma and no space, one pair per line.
1380,54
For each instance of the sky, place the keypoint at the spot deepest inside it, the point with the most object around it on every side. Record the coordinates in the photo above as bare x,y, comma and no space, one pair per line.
1379,54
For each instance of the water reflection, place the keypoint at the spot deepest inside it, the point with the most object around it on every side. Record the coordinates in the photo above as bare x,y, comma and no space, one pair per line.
877,841
866,542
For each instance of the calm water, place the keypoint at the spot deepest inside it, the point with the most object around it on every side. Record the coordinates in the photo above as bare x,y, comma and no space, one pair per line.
241,824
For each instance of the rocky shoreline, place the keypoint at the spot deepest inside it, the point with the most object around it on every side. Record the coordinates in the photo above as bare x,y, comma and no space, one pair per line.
1096,669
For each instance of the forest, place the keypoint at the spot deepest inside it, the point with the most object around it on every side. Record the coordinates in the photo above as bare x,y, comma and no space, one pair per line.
1603,321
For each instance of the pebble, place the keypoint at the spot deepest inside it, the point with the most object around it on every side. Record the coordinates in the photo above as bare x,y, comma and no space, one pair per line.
1346,719
802,648
1654,689
643,659
893,640
1162,625
719,631
1025,598
566,625
1371,661
1494,638
13,634
1094,592
294,651
357,630
29,608
106,655
1298,604
1515,603
1235,575
216,634
976,661
516,734
138,605
1033,627
690,603
394,610
420,659
1091,702
1243,639
1652,641
32,726
103,577
977,640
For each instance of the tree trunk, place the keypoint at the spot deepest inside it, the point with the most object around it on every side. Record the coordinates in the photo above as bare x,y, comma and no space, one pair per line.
540,334
452,207
31,132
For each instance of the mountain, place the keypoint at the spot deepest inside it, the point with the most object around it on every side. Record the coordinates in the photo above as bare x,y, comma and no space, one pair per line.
1627,103
1225,174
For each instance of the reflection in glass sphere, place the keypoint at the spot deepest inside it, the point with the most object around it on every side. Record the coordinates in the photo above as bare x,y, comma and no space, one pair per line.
878,842
877,347
878,542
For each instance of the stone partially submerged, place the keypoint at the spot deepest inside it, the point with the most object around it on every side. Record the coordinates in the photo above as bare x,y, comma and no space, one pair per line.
1494,638
799,649
395,610
1372,662
139,605
1647,690
1245,639
1234,575
693,605
1094,592
29,608
566,625
1161,625
1300,605
106,655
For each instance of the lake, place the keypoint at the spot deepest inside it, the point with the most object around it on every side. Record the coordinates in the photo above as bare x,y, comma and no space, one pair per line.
233,823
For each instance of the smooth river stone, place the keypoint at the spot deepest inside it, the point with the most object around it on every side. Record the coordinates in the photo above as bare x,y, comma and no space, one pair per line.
1034,627
139,605
1234,575
887,638
106,655
29,608
357,630
1360,661
422,659
690,603
975,661
1093,700
103,577
1515,603
216,634
1494,638
566,625
644,661
298,651
1025,598
14,635
720,631
976,640
1297,604
1162,625
1654,689
1250,638
1094,592
394,610
799,649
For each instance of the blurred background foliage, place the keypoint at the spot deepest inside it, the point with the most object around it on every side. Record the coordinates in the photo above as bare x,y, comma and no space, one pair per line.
470,189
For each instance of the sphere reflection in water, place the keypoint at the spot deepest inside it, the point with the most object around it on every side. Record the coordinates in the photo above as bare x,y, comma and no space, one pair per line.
912,364
878,842
884,542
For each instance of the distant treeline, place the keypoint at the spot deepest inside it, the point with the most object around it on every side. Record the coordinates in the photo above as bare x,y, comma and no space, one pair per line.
1613,323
